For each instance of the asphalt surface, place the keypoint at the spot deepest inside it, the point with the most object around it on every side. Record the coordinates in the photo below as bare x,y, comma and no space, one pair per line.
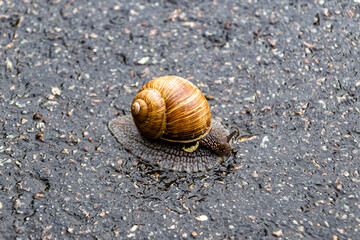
284,73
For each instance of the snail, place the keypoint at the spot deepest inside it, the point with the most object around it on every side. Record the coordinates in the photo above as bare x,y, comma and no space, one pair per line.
171,127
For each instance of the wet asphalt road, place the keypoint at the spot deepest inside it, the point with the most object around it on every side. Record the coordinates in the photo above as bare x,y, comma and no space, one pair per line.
284,73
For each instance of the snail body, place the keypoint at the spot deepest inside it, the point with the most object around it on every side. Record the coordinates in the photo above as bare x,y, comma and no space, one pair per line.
171,126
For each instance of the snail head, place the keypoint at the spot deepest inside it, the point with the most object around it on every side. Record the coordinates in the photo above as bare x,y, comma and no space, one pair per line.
224,148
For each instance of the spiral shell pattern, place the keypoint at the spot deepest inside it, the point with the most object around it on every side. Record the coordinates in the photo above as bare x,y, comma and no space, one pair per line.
173,109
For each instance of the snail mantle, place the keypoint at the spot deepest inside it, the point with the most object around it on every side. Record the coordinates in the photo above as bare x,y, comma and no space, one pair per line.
171,126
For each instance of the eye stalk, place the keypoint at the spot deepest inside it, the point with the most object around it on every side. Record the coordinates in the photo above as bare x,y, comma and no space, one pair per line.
231,135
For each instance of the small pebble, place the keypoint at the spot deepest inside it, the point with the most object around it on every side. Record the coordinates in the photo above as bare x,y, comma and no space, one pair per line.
264,142
55,90
70,112
93,35
9,64
65,151
143,60
278,233
39,136
37,116
134,228
202,218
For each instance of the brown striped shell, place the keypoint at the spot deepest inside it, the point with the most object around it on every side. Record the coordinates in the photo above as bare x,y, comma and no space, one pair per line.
173,109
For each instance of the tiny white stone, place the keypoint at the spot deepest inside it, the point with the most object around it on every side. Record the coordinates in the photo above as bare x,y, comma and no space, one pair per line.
134,228
172,227
55,90
9,64
278,233
130,235
143,60
264,141
323,104
202,218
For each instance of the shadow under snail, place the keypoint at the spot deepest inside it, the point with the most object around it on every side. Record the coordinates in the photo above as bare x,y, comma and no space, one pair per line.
171,127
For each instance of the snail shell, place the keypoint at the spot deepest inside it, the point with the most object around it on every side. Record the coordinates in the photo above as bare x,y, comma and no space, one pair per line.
169,115
173,109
